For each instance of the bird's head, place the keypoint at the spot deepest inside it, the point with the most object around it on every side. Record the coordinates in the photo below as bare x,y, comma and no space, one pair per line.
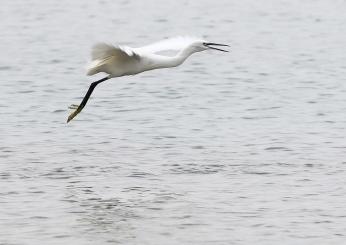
202,45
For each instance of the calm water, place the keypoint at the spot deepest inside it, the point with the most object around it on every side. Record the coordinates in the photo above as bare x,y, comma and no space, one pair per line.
247,147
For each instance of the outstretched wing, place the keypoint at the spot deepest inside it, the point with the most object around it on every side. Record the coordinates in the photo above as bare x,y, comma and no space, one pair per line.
103,54
171,44
103,51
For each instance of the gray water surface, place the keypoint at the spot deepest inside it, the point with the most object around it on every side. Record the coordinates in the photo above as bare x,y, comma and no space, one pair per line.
246,147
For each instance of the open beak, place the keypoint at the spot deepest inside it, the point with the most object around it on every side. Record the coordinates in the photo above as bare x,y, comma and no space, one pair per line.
210,45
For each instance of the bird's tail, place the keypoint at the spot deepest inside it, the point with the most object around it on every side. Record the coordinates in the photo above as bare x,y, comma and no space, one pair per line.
94,66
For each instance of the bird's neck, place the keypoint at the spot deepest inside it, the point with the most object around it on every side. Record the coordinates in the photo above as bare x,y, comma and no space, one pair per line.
166,62
183,55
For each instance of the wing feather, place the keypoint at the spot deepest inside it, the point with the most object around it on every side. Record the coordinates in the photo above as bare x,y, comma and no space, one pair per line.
102,51
103,54
171,44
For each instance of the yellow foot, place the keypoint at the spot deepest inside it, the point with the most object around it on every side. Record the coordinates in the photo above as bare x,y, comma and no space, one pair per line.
73,114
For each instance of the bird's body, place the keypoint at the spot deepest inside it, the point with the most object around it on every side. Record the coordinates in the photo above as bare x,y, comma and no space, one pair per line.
119,61
123,60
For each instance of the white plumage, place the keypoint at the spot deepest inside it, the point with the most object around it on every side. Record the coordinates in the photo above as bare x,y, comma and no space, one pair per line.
171,44
111,59
124,60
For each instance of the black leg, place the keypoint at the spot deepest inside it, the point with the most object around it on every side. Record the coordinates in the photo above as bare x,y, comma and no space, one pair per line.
86,98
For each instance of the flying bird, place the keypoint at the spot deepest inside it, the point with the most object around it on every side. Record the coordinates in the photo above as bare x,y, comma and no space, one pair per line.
119,61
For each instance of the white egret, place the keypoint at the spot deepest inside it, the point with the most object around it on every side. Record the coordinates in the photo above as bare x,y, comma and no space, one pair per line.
119,61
